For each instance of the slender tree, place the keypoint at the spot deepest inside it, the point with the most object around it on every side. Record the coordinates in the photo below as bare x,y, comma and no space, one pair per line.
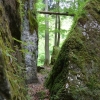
58,28
57,35
55,39
46,62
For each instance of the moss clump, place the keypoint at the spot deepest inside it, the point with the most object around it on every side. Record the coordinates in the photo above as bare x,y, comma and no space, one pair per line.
32,21
41,95
54,54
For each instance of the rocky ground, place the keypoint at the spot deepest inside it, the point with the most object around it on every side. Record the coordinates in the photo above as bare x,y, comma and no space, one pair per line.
37,91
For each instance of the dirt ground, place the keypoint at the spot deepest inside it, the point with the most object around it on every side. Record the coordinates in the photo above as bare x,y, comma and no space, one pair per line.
37,91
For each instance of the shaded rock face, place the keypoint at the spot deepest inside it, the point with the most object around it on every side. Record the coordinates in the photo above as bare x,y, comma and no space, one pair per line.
75,74
9,28
30,38
11,9
4,85
4,89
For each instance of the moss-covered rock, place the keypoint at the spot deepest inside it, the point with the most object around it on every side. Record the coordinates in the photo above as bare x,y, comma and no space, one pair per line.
11,77
32,21
54,54
75,75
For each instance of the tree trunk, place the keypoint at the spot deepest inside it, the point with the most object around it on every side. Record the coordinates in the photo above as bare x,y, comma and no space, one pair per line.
57,36
58,28
58,42
30,37
55,39
46,62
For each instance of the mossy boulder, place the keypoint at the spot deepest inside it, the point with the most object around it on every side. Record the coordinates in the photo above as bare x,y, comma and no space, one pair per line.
75,74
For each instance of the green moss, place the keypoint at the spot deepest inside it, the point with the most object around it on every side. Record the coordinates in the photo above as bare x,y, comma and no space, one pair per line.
13,71
79,55
54,54
32,21
41,95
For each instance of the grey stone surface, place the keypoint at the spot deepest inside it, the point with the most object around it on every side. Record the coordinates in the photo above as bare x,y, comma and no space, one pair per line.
30,47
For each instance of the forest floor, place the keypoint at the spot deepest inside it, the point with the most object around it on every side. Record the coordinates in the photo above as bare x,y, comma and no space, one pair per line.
38,91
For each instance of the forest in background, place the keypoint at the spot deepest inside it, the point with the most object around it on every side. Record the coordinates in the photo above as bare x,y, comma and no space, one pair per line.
65,25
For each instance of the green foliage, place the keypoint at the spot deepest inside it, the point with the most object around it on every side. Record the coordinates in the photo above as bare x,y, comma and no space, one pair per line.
40,5
65,25
28,97
14,73
23,44
41,95
41,58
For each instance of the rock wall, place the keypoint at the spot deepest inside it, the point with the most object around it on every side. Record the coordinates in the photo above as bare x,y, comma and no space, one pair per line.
75,75
30,38
11,81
